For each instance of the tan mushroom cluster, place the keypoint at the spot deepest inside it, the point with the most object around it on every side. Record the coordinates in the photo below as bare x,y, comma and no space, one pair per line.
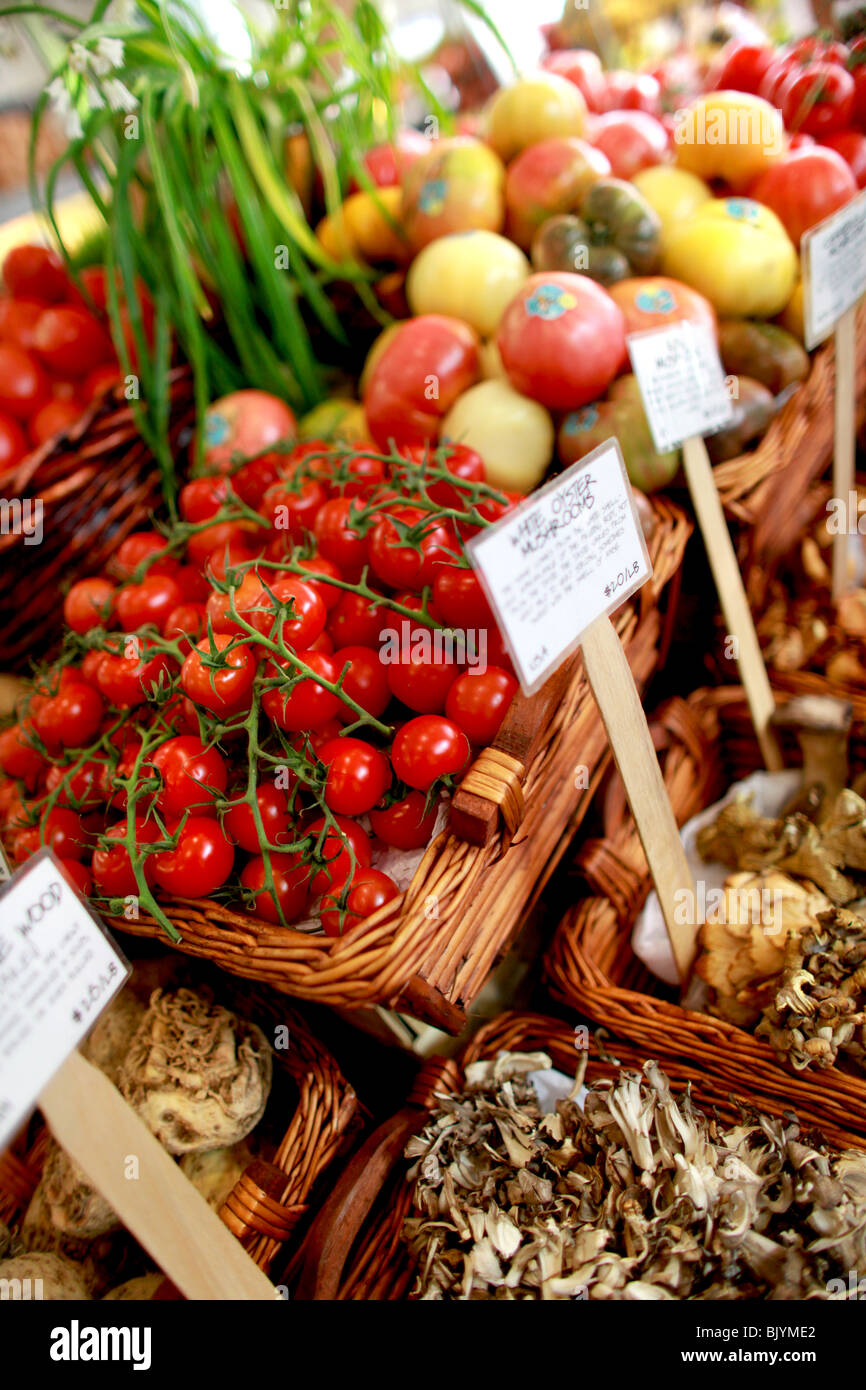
639,1196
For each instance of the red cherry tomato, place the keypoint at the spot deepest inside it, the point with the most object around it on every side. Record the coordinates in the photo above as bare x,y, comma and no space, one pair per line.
460,599
407,544
34,272
132,678
71,718
201,498
365,680
100,381
88,604
78,875
113,873
422,676
562,340
857,67
71,341
818,100
83,785
740,67
478,701
358,775
253,479
24,386
306,704
187,622
400,403
630,140
140,546
330,594
225,688
805,187
18,319
52,419
337,539
13,442
370,890
343,850
405,824
193,776
273,808
150,602
18,757
291,878
356,621
428,748
307,612
631,91
200,862
61,829
464,463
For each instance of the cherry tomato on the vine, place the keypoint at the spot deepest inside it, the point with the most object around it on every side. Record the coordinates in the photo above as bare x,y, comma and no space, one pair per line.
273,807
405,824
193,776
427,748
200,862
478,701
306,704
222,684
291,878
370,890
358,775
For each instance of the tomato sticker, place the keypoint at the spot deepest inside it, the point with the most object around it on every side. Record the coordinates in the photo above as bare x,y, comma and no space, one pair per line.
431,199
217,429
549,302
742,208
580,420
656,301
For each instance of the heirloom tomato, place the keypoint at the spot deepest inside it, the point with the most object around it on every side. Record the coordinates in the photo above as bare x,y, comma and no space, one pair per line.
423,367
806,187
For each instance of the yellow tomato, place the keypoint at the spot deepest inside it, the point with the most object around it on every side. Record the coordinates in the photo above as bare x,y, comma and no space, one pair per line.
340,418
738,254
513,434
791,316
729,135
360,228
469,275
673,194
532,109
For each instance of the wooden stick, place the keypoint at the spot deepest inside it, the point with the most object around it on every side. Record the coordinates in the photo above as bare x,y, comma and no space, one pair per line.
732,597
613,686
843,440
160,1206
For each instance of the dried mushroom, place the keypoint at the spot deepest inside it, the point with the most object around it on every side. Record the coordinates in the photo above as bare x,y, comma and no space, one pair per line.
642,1196
74,1205
197,1075
818,1007
743,943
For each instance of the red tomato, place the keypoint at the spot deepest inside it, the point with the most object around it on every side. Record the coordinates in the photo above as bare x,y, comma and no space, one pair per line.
273,808
653,301
358,775
224,689
357,476
222,546
150,602
18,757
805,187
71,341
141,546
343,850
200,862
306,704
365,680
370,890
851,145
314,565
582,67
13,442
88,604
186,622
291,879
405,824
24,387
253,479
292,506
631,91
53,418
426,364
18,319
337,539
112,868
478,701
819,100
386,164
84,785
99,382
193,776
460,599
61,829
201,498
305,607
630,140
740,67
421,680
356,621
857,68
34,272
242,424
71,718
78,875
562,340
407,544
428,748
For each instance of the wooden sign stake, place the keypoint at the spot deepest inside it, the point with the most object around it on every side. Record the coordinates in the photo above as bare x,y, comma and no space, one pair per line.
160,1206
612,683
732,597
844,439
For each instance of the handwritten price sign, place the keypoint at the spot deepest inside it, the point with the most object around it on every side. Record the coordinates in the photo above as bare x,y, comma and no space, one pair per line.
570,553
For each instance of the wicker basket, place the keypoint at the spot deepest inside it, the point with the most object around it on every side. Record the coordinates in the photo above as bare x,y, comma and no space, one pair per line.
766,493
354,1250
429,951
270,1200
707,743
97,481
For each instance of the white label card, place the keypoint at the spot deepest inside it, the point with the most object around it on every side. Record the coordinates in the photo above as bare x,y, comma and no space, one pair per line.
58,971
571,552
834,269
681,381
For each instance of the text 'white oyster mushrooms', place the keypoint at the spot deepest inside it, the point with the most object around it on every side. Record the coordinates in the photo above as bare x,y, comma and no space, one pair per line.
196,1074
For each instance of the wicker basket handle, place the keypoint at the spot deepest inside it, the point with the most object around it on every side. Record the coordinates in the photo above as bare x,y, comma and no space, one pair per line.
493,786
335,1229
